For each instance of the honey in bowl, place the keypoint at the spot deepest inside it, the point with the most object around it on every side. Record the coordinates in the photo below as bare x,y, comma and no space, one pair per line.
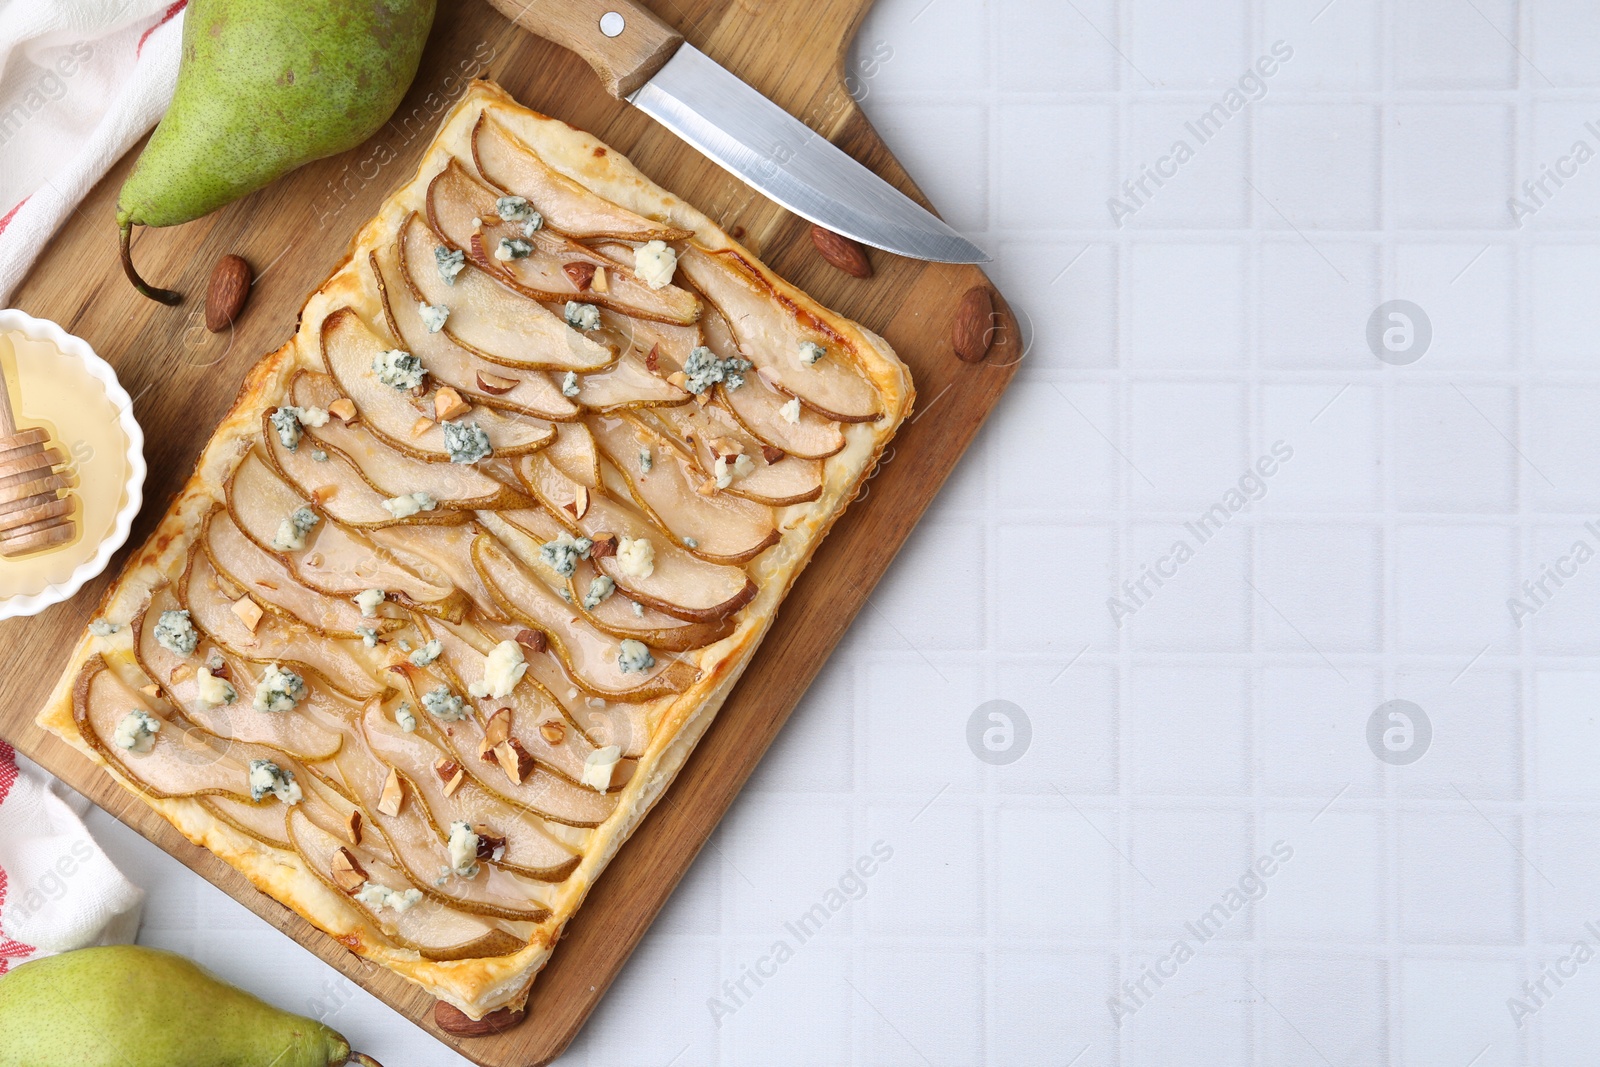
63,465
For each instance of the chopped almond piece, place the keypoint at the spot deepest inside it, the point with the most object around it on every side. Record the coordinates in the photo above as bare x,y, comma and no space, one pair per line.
447,404
600,284
580,502
344,409
181,673
514,760
553,731
652,361
582,274
488,843
393,795
347,871
772,453
323,493
314,559
352,826
478,254
534,639
450,773
249,612
707,487
678,378
494,384
498,729
152,690
421,426
605,544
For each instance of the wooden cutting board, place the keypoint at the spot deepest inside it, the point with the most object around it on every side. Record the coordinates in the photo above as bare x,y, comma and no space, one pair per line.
183,379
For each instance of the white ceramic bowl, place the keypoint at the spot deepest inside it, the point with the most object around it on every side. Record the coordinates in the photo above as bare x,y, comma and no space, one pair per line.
77,348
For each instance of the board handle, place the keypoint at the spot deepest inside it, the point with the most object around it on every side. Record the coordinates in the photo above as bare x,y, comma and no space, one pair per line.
620,39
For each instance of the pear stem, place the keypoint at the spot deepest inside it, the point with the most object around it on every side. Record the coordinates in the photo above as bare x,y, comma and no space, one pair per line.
164,296
363,1059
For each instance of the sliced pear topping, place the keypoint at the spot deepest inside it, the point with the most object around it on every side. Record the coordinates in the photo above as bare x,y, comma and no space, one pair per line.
435,933
620,617
456,486
713,525
528,850
677,583
490,384
313,733
491,320
590,655
627,384
574,454
420,853
264,822
332,482
770,331
264,578
448,551
348,351
698,431
209,599
508,163
541,263
769,414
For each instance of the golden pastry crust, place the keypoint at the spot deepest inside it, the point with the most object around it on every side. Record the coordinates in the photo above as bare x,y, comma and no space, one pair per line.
478,986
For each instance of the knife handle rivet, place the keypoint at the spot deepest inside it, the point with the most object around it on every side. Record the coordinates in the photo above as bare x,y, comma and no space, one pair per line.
612,23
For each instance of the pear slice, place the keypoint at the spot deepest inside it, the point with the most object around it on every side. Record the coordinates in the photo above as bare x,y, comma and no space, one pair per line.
209,599
448,551
336,484
766,412
311,732
680,584
264,822
419,850
491,320
626,384
615,615
460,208
507,163
348,350
790,480
456,486
770,330
489,384
335,561
183,761
722,528
428,929
274,587
529,851
574,454
590,655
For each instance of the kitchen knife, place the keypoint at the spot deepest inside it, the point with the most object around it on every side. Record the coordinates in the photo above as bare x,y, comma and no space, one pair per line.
646,62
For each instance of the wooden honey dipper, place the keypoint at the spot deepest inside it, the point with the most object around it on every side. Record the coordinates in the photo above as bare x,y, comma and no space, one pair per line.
35,512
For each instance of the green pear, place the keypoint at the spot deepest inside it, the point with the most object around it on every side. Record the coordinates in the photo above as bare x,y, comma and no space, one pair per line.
265,86
128,1006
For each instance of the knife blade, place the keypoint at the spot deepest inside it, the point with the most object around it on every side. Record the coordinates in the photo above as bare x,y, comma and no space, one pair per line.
642,60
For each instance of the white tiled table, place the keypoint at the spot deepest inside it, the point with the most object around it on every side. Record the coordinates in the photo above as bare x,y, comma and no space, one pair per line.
1227,710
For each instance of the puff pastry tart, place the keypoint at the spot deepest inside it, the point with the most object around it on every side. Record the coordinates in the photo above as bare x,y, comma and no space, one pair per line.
474,559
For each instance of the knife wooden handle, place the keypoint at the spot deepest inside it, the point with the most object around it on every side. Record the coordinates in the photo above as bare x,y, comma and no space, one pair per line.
620,39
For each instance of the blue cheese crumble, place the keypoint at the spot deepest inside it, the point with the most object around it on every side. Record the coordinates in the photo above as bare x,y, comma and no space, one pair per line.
213,691
398,369
463,849
562,554
137,731
517,209
407,505
811,352
175,633
291,535
791,411
582,316
599,589
638,609
369,600
279,690
703,369
406,718
511,248
465,441
647,459
320,456
450,262
443,705
288,420
655,263
377,897
433,316
368,635
102,628
569,384
427,653
267,777
633,656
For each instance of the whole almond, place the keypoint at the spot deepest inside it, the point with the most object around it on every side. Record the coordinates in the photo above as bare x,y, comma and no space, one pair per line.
452,1020
227,293
841,252
973,332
